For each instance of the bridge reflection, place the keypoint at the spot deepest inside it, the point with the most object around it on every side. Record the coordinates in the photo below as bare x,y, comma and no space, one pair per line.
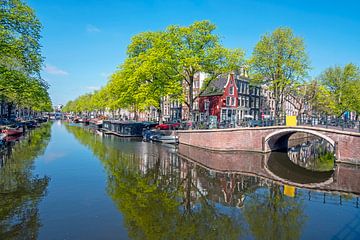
276,167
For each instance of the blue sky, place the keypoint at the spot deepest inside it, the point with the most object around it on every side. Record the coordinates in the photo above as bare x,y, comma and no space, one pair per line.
85,40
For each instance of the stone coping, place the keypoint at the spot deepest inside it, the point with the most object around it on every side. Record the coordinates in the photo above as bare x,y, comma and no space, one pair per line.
268,128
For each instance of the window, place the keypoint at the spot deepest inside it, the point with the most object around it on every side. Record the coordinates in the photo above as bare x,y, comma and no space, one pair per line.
231,90
196,105
232,101
206,105
223,114
196,84
228,101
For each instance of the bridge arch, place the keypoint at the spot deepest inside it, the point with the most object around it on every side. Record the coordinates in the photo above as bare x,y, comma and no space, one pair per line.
279,139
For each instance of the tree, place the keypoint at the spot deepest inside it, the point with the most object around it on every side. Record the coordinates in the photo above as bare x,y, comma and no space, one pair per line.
308,97
148,72
164,63
20,57
343,86
197,49
279,60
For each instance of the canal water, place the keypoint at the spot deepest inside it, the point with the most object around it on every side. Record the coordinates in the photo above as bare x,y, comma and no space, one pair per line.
64,181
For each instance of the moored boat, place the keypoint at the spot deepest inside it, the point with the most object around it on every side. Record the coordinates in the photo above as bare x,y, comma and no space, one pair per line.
13,131
157,136
96,122
12,138
165,139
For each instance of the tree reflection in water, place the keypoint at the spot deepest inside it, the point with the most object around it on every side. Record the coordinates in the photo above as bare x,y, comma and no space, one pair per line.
163,196
272,215
20,190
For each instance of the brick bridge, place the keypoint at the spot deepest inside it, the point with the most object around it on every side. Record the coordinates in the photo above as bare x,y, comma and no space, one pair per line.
344,178
267,139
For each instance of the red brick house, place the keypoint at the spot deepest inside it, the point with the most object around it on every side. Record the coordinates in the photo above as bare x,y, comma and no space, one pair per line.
220,99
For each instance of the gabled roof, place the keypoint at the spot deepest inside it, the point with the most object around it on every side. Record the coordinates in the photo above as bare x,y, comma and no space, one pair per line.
216,87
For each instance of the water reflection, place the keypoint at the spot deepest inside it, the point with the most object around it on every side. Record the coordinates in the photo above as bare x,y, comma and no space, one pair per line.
20,190
190,193
160,195
311,152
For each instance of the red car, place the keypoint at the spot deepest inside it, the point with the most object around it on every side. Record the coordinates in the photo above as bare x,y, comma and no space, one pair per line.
168,126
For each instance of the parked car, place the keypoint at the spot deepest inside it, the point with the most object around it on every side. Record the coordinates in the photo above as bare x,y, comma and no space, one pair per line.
168,126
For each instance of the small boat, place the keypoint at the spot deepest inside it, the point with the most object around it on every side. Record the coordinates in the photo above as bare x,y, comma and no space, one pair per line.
13,131
12,138
157,136
96,123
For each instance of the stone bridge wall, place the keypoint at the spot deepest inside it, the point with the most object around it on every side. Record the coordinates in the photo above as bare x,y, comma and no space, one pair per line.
255,139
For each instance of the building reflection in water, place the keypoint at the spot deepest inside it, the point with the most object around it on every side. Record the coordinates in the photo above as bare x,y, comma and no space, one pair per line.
20,190
311,152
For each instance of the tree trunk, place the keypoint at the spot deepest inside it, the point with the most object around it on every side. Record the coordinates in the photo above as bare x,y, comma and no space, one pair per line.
9,110
159,110
191,98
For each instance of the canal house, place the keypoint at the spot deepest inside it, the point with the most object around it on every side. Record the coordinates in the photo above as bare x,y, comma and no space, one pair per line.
220,99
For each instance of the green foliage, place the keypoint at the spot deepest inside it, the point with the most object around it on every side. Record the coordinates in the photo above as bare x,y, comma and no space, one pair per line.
164,63
20,57
20,190
197,49
280,61
342,88
274,216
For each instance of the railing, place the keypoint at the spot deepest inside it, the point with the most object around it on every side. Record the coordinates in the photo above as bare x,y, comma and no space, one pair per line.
325,122
331,122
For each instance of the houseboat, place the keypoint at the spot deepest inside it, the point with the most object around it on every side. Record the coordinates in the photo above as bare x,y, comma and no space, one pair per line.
126,129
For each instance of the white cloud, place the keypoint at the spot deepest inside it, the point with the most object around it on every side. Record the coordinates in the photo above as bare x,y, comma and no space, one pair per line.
53,156
92,88
92,29
54,70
